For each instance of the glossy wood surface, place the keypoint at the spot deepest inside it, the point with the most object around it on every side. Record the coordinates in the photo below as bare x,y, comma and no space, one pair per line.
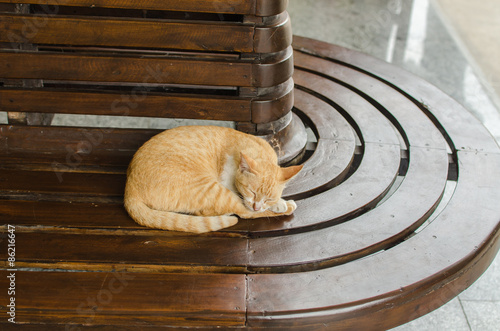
374,242
220,60
248,7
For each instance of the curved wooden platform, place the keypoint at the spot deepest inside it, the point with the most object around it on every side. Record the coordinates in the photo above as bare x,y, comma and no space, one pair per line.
397,214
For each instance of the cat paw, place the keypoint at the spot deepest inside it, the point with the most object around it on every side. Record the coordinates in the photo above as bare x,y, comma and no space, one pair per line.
279,208
284,207
291,206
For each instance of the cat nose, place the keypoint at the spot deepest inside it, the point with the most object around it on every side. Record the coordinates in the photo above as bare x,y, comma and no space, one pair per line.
256,206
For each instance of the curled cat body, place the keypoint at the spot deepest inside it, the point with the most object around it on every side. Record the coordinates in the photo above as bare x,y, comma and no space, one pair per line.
200,178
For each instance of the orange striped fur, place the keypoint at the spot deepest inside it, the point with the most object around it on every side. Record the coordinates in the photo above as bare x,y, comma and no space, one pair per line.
197,178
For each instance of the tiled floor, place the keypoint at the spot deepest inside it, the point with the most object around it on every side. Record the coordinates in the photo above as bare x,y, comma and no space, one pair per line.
436,41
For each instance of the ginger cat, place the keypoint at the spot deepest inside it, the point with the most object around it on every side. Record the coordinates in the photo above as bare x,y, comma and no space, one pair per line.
195,178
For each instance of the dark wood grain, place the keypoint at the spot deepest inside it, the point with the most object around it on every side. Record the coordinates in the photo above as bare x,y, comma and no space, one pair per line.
128,103
131,33
61,184
124,69
271,39
197,36
140,70
334,152
66,215
139,299
148,253
246,7
60,149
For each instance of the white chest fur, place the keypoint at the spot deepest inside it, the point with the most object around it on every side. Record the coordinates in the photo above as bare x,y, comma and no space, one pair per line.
227,175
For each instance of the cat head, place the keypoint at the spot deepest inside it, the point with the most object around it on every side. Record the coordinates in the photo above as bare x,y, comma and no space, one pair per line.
261,182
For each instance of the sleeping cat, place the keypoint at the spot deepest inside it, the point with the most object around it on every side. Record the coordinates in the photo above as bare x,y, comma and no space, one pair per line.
196,178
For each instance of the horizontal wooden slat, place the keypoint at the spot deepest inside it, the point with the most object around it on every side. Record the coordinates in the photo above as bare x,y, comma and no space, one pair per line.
63,184
93,217
264,108
134,103
178,252
243,7
72,67
96,150
123,69
128,33
129,299
143,33
66,215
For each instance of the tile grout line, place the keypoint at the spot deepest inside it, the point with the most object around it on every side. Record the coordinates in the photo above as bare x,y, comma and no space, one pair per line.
463,311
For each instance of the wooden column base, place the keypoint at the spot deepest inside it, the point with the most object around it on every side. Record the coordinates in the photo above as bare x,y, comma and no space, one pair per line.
287,136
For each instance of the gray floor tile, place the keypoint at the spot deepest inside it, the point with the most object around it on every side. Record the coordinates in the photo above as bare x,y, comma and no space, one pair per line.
487,287
483,315
448,317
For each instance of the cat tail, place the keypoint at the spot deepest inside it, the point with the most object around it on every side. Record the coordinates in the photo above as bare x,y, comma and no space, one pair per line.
166,220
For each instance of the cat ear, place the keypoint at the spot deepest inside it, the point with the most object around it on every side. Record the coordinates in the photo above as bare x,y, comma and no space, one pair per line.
290,172
247,164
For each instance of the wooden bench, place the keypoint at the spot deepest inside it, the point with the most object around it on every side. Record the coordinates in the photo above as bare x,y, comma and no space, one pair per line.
397,214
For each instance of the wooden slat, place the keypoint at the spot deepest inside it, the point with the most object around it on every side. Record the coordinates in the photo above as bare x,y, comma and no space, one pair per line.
144,33
136,33
276,103
123,69
53,140
61,149
126,299
146,253
70,67
373,125
66,215
76,215
64,185
274,38
134,103
242,7
334,152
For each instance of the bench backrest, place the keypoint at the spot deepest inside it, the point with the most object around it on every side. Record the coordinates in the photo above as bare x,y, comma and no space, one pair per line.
227,60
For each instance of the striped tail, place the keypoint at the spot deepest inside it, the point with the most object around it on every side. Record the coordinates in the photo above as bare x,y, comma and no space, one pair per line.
166,220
